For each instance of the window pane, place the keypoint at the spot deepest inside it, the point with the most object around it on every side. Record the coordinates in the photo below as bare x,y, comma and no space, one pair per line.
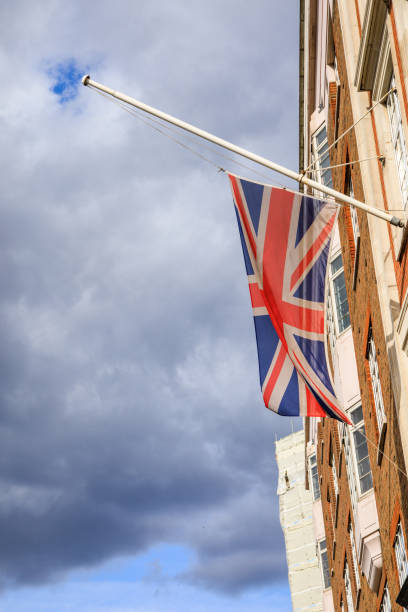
357,415
340,296
361,452
336,264
324,564
366,483
321,136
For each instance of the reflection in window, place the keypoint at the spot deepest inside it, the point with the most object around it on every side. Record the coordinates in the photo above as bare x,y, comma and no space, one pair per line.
321,158
361,450
340,295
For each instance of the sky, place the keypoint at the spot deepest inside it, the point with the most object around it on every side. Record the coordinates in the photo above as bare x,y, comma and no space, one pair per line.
137,463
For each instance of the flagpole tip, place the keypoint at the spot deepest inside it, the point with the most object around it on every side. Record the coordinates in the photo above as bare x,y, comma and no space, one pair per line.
85,79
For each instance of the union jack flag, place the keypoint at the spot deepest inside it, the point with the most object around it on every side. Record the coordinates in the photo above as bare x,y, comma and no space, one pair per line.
285,238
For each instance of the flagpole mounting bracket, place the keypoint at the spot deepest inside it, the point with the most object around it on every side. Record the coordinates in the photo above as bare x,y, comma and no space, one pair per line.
396,221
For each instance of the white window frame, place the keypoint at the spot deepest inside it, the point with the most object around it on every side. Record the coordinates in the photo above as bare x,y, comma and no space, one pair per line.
398,140
319,149
385,605
335,479
313,470
400,554
353,213
376,383
354,554
324,567
351,472
359,427
332,278
347,586
331,324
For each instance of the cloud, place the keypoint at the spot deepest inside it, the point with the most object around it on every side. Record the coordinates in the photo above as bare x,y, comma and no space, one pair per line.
130,408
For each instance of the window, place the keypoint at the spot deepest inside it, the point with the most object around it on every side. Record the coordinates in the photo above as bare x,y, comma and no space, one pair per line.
324,563
331,327
347,585
385,605
321,158
400,554
362,459
338,288
354,554
398,140
351,473
314,477
334,472
353,212
375,381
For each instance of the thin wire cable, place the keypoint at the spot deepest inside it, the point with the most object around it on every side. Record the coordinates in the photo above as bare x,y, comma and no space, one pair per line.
219,168
376,446
350,128
148,123
147,120
358,161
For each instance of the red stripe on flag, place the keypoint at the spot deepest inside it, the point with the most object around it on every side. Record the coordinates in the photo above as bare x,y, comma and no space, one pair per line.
310,382
312,252
274,375
313,407
257,300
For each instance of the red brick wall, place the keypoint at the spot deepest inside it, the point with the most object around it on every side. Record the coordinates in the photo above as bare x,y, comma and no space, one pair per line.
390,485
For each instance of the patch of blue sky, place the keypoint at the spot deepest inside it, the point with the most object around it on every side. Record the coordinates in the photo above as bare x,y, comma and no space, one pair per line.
114,596
159,563
66,79
146,583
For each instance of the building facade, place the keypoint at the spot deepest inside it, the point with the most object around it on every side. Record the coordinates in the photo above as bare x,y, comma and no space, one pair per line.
354,136
306,575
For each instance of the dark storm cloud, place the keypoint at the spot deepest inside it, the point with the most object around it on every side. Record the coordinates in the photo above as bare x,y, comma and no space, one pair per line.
130,408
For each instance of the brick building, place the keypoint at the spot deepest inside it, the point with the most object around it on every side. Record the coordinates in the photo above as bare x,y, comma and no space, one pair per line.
354,135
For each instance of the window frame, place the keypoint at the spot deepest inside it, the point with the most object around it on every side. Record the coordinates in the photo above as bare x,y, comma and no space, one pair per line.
398,140
347,587
332,278
354,554
312,466
400,553
318,149
385,604
355,428
374,370
324,566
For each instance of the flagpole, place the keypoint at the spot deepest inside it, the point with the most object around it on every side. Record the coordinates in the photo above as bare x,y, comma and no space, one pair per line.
300,178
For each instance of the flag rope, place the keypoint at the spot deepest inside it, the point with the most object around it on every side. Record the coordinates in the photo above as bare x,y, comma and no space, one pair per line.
371,108
149,121
357,161
259,159
377,447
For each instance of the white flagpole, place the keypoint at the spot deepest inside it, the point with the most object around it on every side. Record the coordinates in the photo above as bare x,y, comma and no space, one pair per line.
300,178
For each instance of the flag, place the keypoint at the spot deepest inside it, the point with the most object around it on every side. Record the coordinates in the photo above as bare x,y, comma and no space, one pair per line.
285,238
